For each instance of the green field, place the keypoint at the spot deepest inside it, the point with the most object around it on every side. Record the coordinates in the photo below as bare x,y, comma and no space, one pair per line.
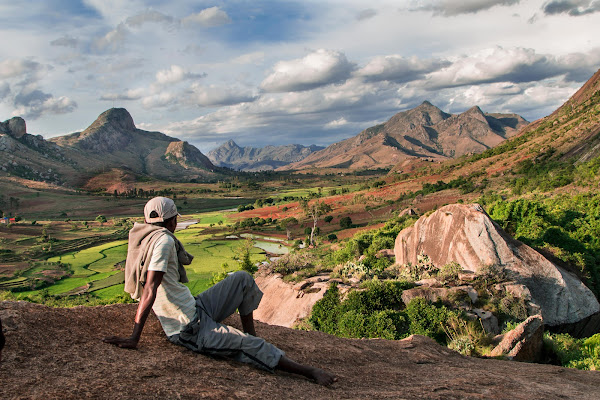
98,269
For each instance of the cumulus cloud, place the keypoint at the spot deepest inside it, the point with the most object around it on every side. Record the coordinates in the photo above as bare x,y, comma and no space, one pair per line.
449,8
574,8
209,96
366,14
33,103
4,90
399,69
140,19
174,75
513,65
320,68
18,67
336,123
209,17
113,40
162,99
65,41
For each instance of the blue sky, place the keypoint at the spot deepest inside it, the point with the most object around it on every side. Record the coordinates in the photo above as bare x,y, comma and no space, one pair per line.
281,72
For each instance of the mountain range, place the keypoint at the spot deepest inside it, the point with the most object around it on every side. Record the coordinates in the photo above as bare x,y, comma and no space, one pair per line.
111,142
112,146
231,155
424,132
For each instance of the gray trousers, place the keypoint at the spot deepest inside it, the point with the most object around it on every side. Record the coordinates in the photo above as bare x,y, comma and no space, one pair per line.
207,335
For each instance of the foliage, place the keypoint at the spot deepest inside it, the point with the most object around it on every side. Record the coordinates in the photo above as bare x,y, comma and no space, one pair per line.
314,210
449,272
568,226
427,319
368,244
220,275
242,256
575,353
345,222
376,311
467,337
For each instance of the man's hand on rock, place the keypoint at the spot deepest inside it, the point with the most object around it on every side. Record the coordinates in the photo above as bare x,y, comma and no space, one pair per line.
125,343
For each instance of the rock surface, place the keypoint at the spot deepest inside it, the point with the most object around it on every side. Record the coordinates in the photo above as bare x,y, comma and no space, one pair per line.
467,235
284,304
15,127
524,343
56,353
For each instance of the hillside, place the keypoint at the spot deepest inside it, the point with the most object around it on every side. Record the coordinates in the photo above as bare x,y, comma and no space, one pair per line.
425,132
68,360
112,141
267,158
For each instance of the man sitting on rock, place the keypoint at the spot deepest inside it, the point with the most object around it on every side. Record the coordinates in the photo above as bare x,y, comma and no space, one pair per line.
154,275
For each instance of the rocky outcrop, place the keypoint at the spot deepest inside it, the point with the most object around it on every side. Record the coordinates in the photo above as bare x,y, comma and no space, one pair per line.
524,343
14,127
284,304
67,360
187,155
466,234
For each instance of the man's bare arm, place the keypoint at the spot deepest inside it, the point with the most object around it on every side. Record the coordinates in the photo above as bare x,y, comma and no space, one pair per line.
153,281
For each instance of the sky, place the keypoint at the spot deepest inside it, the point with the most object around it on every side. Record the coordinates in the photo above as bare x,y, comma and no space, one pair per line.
287,72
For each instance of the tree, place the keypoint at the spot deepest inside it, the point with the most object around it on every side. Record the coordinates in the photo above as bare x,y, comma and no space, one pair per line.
345,222
314,210
328,218
287,224
101,218
242,255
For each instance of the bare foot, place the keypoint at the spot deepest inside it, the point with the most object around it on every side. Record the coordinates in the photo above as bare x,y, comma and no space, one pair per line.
323,377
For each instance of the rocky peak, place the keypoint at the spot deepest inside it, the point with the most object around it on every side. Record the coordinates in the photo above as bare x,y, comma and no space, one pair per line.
116,118
475,113
187,155
14,127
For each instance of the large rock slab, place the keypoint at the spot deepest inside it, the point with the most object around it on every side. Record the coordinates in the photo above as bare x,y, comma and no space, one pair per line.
283,303
524,343
56,353
467,235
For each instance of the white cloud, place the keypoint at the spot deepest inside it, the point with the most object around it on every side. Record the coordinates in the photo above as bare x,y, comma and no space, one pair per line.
209,17
450,8
257,57
174,75
12,68
336,124
320,68
128,95
513,65
113,40
399,69
162,99
210,96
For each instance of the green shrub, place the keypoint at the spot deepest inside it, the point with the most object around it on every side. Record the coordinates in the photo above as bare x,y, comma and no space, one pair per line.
575,353
427,319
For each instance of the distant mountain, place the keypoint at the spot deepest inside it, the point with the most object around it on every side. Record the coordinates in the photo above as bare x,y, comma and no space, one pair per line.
425,132
231,155
112,141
